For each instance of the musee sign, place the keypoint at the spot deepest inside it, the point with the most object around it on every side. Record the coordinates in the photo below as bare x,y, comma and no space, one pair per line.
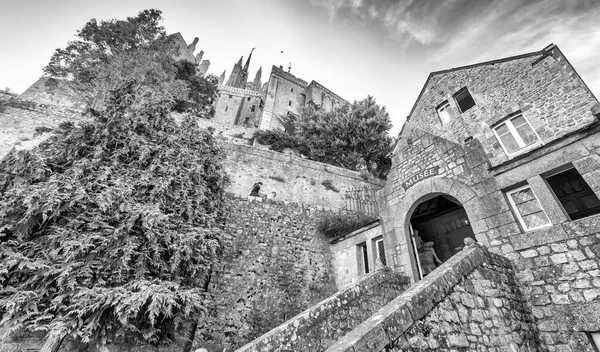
420,176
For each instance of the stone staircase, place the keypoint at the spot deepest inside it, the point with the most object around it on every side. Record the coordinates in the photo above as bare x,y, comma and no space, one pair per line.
317,328
471,302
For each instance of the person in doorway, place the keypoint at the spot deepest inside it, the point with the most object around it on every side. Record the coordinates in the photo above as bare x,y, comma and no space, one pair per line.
256,189
426,247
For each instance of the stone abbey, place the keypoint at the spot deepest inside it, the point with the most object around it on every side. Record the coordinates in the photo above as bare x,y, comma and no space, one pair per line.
496,173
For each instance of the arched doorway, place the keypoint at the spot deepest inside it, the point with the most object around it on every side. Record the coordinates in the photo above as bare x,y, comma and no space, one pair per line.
442,224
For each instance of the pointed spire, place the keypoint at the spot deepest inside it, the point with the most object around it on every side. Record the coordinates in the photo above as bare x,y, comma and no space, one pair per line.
256,84
222,77
248,61
239,63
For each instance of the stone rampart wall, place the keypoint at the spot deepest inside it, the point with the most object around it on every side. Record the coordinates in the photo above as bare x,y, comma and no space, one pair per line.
294,179
471,303
316,328
25,124
276,265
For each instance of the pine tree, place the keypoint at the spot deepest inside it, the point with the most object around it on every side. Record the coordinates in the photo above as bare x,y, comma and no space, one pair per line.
110,227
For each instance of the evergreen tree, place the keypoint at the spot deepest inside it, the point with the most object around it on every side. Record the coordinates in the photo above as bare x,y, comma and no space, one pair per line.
109,228
354,136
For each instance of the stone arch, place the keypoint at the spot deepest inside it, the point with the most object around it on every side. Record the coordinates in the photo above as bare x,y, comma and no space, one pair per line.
423,191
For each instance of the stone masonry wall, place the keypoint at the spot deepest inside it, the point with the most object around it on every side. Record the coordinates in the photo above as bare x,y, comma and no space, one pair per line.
544,87
316,328
19,121
562,279
276,265
471,303
292,178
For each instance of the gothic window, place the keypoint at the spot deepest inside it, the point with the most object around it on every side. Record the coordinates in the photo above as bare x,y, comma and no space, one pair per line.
574,194
322,98
363,258
464,100
516,135
445,112
527,208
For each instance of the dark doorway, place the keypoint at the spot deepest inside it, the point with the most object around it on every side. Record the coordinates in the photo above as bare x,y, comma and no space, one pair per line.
443,221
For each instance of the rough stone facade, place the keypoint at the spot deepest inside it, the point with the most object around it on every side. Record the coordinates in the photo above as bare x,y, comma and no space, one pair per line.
471,303
292,178
276,265
324,323
25,124
556,260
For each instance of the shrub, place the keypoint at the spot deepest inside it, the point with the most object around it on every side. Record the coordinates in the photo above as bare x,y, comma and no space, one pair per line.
335,225
278,140
328,184
277,178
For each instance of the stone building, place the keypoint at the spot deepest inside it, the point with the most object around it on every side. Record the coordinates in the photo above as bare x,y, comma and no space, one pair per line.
507,153
251,104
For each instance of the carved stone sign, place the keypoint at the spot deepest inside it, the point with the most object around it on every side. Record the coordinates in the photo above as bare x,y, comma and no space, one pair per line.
420,176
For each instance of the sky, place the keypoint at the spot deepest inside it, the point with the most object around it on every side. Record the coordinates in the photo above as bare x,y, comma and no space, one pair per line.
383,48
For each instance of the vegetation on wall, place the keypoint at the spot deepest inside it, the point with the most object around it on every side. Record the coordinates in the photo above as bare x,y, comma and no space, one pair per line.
353,136
111,228
336,225
328,184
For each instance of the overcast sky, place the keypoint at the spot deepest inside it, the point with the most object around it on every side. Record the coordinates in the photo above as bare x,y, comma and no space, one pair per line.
385,48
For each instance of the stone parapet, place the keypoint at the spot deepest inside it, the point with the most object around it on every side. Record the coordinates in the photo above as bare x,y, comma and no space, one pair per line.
314,329
470,303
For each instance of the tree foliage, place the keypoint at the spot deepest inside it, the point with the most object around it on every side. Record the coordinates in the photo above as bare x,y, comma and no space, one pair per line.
109,228
354,136
108,54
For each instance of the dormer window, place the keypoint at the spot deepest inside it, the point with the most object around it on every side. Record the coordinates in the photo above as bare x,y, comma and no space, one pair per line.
445,112
464,100
516,135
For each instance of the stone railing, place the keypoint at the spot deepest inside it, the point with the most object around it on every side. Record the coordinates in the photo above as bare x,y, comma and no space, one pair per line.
470,303
323,324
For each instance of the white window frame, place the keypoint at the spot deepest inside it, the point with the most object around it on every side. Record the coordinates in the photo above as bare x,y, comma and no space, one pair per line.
513,131
518,213
376,243
442,110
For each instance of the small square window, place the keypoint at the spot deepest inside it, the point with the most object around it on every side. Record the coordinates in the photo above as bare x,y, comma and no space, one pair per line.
292,90
574,194
530,213
516,135
464,100
363,258
230,96
445,112
248,99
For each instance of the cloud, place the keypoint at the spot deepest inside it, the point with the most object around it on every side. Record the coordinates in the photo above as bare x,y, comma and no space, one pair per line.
450,33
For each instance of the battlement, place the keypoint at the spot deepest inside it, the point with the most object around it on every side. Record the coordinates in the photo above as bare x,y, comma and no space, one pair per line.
222,89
